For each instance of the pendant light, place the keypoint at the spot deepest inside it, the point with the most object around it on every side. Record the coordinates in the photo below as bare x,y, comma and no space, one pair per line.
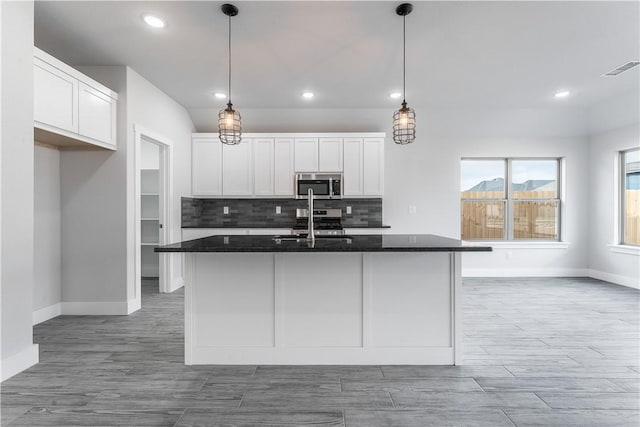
404,119
229,120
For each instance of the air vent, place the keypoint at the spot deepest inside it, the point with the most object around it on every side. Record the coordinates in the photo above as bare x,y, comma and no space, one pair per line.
621,69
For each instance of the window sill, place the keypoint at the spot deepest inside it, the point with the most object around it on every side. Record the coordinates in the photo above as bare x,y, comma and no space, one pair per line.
518,245
625,249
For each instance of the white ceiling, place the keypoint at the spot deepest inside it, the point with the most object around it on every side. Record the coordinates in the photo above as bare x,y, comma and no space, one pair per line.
459,54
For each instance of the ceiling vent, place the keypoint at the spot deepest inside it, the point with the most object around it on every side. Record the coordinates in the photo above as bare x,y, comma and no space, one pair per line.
621,69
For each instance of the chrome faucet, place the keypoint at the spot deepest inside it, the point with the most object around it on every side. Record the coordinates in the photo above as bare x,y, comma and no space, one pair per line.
311,237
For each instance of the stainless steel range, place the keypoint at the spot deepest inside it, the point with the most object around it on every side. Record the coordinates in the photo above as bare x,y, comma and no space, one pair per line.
326,222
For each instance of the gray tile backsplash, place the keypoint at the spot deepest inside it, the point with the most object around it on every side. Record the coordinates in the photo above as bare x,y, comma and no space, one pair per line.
261,213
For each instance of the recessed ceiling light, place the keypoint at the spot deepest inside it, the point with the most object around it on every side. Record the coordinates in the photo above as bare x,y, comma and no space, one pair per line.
154,21
562,94
395,95
307,95
220,95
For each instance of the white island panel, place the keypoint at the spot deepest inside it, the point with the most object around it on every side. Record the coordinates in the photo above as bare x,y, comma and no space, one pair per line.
411,299
233,300
320,299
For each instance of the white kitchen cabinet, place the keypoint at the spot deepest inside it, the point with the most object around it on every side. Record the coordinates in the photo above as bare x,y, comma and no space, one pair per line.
263,171
373,167
206,166
283,162
330,155
352,148
71,110
55,101
306,155
264,164
96,115
237,165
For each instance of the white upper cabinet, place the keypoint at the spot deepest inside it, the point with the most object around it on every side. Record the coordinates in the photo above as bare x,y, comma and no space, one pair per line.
330,155
55,97
283,167
237,168
264,165
353,166
97,115
306,155
206,166
373,167
263,172
71,109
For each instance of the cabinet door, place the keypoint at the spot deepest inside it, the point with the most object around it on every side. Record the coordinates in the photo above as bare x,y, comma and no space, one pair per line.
263,166
306,154
283,167
330,155
55,97
206,167
373,166
237,179
352,167
97,115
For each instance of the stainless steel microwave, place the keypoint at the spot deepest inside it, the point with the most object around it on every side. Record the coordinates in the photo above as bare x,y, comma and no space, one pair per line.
324,185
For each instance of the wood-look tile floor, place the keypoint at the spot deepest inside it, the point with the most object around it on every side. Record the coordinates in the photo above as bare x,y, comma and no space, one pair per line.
538,352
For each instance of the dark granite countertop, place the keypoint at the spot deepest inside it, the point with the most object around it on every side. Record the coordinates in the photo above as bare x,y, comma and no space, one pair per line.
353,243
262,226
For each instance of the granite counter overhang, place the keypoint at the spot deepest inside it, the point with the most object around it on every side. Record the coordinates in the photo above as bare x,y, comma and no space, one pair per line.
263,226
357,243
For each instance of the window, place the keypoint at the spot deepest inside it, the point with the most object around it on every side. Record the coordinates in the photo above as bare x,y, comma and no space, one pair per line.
630,197
510,199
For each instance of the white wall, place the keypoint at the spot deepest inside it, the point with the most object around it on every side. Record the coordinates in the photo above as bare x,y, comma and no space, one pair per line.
426,174
152,110
46,268
149,155
16,145
94,223
622,268
98,198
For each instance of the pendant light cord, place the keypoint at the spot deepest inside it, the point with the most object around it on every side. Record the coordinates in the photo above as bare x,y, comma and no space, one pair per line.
404,58
229,59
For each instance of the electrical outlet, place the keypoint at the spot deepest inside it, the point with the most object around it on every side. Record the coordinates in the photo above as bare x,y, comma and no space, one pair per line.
509,254
278,210
226,240
348,210
225,210
412,209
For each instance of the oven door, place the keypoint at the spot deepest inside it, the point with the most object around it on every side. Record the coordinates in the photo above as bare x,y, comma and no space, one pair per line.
321,188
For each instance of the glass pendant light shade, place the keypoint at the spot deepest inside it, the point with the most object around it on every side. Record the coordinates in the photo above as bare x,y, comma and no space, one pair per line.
229,120
404,125
229,125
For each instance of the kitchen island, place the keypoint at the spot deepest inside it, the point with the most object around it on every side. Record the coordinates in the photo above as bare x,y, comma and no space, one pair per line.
365,299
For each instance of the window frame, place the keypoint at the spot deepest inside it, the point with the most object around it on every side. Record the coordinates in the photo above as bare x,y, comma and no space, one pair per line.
622,196
509,201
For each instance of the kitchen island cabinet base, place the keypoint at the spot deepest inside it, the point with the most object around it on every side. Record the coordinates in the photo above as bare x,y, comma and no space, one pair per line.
322,308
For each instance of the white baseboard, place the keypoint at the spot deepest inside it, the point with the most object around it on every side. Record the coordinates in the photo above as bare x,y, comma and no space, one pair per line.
134,305
20,361
631,282
525,272
176,284
95,308
46,313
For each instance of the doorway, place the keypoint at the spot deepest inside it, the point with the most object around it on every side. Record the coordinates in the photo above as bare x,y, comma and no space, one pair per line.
152,213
